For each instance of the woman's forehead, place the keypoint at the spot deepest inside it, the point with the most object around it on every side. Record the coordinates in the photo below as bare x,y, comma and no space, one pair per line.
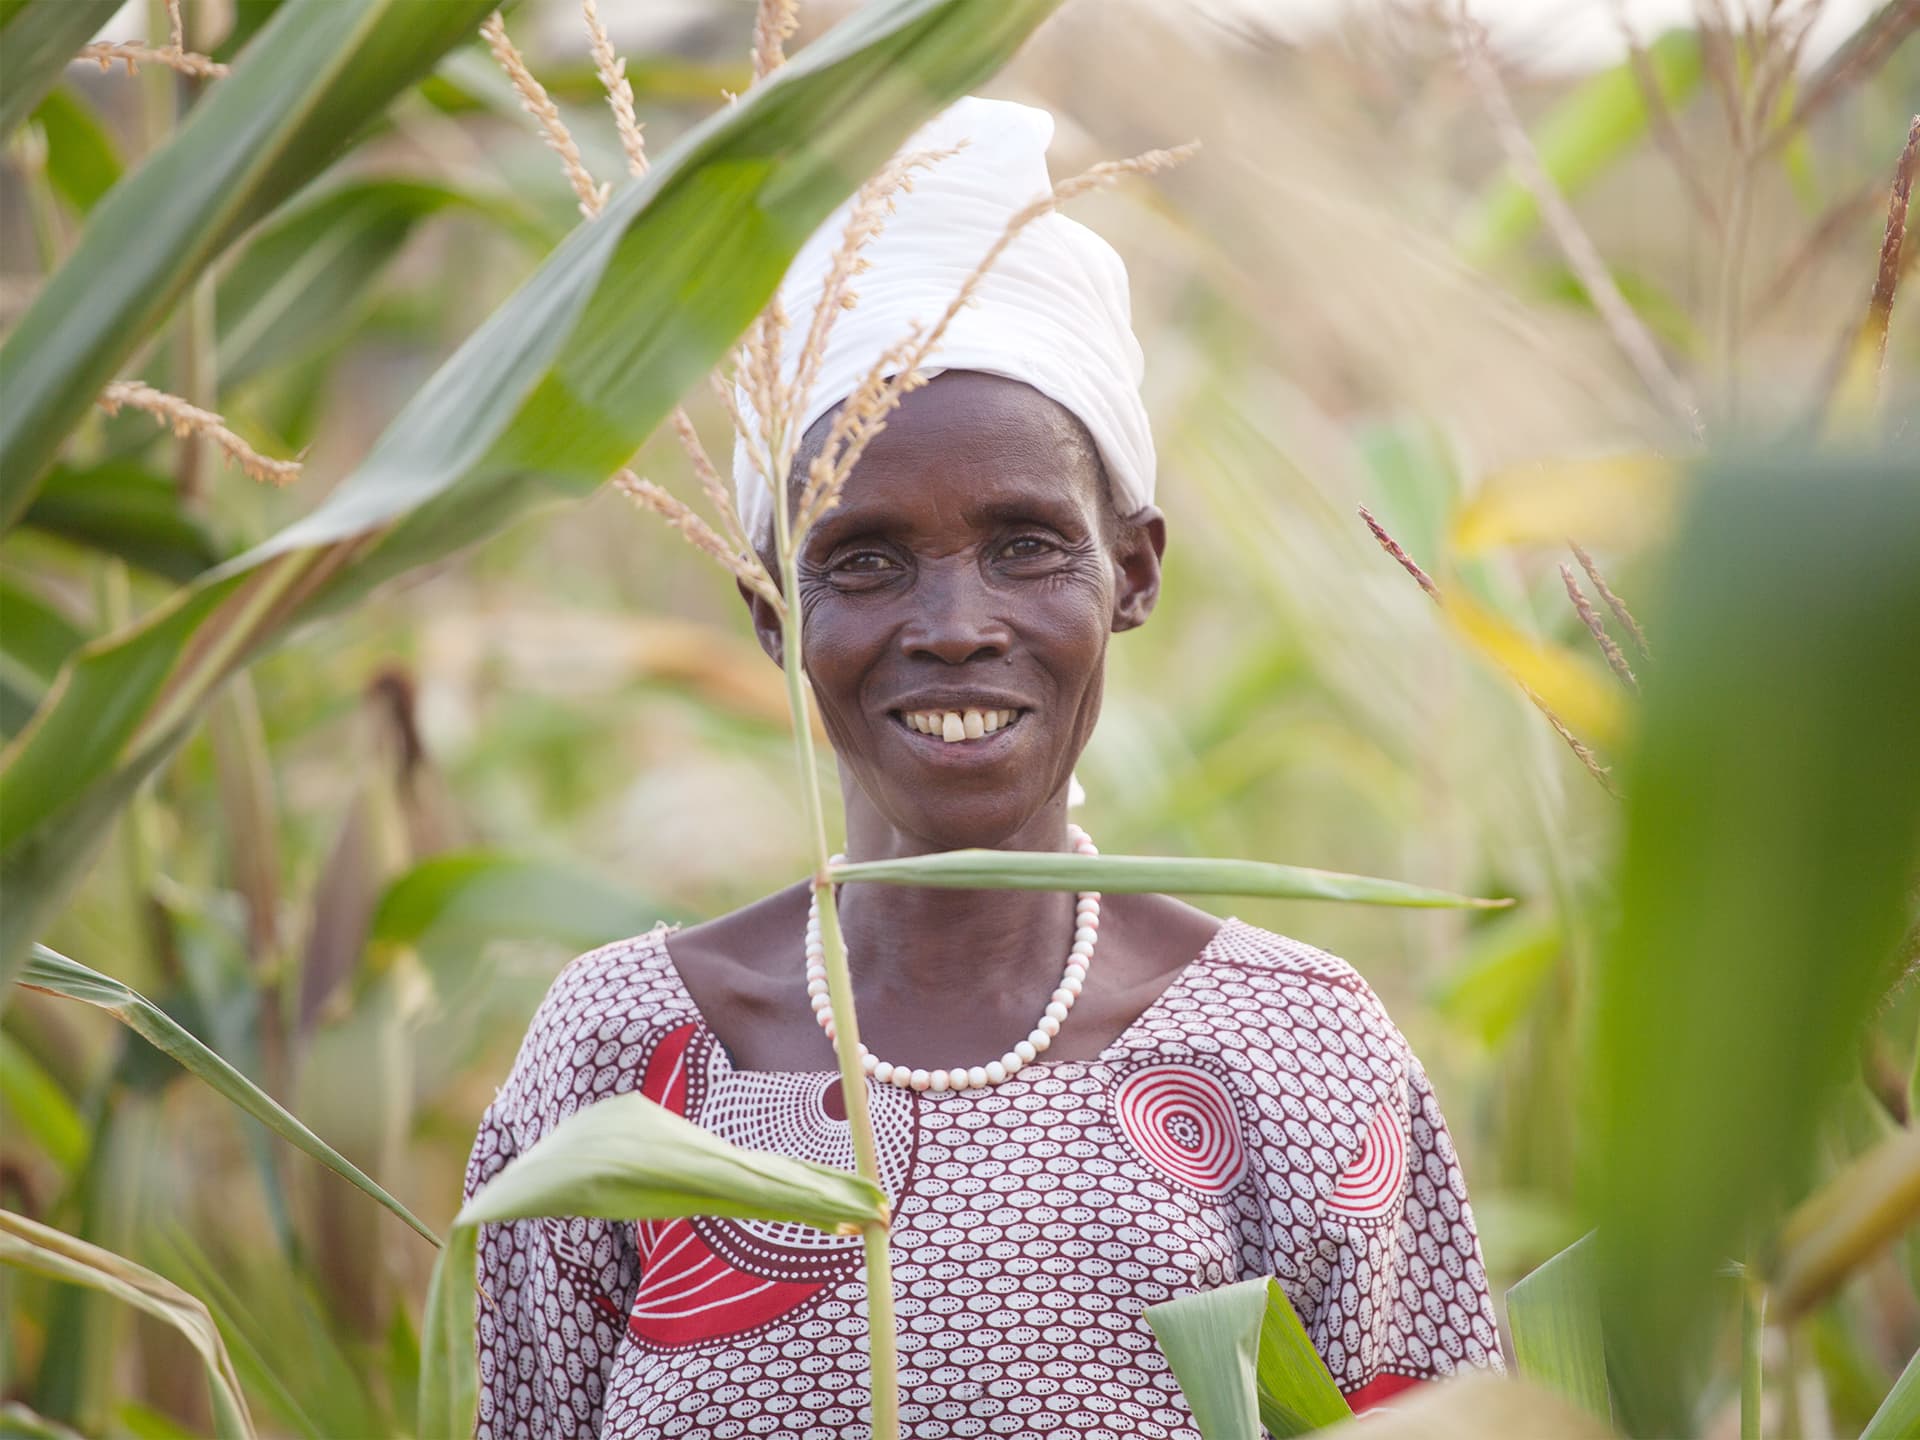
979,445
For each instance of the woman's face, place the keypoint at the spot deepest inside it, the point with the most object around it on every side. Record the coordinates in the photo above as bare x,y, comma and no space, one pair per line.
966,584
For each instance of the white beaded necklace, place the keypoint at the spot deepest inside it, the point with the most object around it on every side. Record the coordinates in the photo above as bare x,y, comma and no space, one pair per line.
963,1077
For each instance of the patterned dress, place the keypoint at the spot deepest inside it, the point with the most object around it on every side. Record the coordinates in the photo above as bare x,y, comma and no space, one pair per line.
1262,1117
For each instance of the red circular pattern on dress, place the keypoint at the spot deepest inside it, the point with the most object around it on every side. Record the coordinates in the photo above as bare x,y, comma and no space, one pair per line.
1370,1187
1182,1121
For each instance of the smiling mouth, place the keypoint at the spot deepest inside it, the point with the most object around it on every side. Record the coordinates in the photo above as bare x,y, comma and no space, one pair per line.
958,727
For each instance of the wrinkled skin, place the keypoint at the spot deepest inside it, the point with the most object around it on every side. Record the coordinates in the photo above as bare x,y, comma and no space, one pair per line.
975,553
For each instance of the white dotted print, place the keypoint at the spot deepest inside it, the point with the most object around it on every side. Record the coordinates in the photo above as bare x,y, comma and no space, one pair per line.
1263,1117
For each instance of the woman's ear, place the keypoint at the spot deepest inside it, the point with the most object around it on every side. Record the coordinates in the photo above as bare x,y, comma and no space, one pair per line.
766,623
1136,567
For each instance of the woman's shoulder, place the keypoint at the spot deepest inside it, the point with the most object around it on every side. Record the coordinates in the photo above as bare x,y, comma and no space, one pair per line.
1281,991
600,1013
1243,946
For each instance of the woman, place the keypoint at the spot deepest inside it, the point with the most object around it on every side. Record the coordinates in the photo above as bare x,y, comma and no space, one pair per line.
1218,1103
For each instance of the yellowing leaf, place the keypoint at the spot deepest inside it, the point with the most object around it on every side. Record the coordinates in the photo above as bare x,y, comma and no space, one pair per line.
1577,692
1616,500
1856,394
1840,1227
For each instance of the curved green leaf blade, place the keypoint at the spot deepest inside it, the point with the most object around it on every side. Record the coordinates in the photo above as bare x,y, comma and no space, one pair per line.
54,973
1899,1415
36,636
479,895
82,164
1297,1391
40,1108
17,1422
449,1397
122,508
37,39
629,1159
1500,978
1243,1360
1049,870
35,641
300,284
1211,1341
298,96
545,401
1554,1316
29,1245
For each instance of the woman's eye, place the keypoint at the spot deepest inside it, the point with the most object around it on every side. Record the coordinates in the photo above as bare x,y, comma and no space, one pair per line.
1027,547
864,562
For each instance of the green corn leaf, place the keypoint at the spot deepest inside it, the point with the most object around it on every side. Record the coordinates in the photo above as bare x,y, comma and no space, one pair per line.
298,96
40,1107
302,283
629,1159
54,973
1050,870
1502,976
249,17
1899,1415
1297,1393
17,1422
37,39
29,1245
545,401
474,896
1212,1341
35,640
1554,1316
1243,1360
122,508
449,1396
1580,138
82,164
1769,845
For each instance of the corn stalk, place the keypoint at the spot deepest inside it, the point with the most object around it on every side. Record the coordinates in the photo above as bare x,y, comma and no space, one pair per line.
882,1341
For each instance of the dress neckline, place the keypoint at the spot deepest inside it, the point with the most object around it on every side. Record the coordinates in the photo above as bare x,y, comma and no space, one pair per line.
1175,984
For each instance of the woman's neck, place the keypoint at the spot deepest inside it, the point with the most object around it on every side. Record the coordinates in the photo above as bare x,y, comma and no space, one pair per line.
977,947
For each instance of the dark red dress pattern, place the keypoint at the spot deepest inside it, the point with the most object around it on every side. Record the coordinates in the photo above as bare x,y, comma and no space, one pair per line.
1262,1117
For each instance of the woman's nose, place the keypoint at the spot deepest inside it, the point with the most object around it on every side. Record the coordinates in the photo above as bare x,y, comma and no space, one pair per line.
954,618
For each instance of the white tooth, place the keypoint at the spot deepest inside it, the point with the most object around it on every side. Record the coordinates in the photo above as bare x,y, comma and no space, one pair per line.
989,721
974,724
951,728
919,722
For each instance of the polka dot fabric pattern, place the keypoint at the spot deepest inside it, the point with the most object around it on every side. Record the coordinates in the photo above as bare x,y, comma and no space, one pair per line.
1261,1117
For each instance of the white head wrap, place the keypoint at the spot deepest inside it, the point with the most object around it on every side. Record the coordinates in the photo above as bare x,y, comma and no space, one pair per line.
1052,312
